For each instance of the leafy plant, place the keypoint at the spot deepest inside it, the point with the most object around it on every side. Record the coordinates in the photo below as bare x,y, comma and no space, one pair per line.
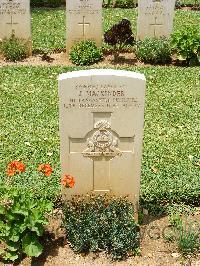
154,51
175,211
183,230
126,3
47,3
14,49
189,240
182,3
120,33
95,223
186,42
120,3
22,218
85,53
33,178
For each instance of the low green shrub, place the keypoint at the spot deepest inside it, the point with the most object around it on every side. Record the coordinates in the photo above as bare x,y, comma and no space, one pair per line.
186,42
182,3
188,241
47,3
85,53
184,232
177,210
120,3
14,49
125,3
96,223
21,223
154,51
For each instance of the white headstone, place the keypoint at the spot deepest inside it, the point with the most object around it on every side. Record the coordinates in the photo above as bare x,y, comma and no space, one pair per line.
84,21
15,19
155,18
101,131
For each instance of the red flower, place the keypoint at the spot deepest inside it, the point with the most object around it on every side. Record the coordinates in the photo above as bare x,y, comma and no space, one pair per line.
15,167
68,181
45,169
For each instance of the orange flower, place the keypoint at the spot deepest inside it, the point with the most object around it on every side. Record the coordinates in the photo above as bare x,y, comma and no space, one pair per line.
68,181
20,166
45,169
15,167
10,172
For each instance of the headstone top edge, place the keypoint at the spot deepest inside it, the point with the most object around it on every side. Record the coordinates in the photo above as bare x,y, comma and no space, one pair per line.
101,72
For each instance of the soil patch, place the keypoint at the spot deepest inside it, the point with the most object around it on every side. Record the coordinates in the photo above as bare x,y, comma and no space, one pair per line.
61,59
194,8
155,251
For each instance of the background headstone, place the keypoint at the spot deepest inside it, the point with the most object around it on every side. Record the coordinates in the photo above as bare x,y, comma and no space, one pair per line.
101,131
155,18
15,19
84,21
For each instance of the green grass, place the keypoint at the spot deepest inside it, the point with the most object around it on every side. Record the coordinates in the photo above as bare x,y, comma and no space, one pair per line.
48,25
29,116
29,130
189,2
48,29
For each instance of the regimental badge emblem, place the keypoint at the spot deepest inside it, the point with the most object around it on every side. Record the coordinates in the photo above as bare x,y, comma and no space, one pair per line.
103,142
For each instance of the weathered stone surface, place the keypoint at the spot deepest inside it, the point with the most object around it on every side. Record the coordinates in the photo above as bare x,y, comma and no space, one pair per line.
101,131
15,19
120,33
155,18
84,21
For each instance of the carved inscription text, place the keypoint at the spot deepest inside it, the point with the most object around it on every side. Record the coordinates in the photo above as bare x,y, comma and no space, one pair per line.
12,8
101,96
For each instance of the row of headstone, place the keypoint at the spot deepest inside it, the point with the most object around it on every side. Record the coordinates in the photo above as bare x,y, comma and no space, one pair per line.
84,20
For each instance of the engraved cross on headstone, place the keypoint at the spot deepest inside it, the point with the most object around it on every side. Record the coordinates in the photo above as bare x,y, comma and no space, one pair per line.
101,146
155,25
11,23
84,24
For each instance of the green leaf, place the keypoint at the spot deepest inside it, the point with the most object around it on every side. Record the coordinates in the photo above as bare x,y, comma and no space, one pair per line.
31,245
38,228
18,209
12,246
14,238
2,251
181,58
48,206
11,256
2,210
11,216
16,231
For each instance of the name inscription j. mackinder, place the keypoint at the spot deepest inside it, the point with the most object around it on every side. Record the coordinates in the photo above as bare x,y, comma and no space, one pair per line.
101,96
